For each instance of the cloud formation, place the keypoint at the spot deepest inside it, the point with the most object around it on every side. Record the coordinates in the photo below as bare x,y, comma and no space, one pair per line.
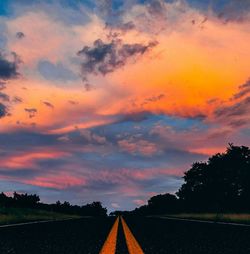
8,68
104,58
244,90
4,97
31,111
20,35
48,104
3,110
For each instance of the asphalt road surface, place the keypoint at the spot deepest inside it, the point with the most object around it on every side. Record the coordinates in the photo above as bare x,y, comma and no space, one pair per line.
133,236
163,236
65,237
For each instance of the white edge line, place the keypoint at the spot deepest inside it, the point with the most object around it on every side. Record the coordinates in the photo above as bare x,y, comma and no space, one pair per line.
203,221
34,222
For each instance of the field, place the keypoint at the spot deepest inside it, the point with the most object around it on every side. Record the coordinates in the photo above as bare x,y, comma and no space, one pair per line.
16,215
222,217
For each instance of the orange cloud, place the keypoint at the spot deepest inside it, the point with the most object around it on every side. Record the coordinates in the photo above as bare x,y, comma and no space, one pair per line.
189,66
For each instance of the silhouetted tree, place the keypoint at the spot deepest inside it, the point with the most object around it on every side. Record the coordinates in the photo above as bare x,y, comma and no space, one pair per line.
220,184
120,213
25,200
5,201
94,209
166,203
33,201
160,204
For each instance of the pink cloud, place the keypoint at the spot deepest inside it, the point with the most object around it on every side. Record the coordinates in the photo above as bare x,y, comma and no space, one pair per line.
59,181
29,158
115,205
139,202
138,146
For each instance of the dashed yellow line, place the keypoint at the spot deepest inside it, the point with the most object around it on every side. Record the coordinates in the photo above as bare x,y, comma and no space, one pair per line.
109,246
132,244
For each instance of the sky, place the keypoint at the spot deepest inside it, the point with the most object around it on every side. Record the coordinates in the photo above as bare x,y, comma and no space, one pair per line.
112,101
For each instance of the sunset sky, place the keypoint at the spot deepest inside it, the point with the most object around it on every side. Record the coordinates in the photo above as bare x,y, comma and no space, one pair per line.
112,101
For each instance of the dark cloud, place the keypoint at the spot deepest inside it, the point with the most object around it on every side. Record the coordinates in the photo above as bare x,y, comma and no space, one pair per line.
17,99
243,90
8,69
238,109
72,102
238,123
20,35
48,104
127,26
234,11
218,134
15,140
119,29
156,7
4,97
115,31
198,116
20,173
136,117
236,114
153,99
31,111
104,58
212,101
3,110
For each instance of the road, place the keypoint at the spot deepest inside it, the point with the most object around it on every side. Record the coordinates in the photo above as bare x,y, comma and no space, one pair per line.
130,236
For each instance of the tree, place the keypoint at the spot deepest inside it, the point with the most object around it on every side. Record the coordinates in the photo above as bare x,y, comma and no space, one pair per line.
94,209
25,200
166,203
220,184
5,201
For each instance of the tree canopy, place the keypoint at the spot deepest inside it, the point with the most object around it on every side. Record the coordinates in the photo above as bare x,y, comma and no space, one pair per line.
32,201
220,184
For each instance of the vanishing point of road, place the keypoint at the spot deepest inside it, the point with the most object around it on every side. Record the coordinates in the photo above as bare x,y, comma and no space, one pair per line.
130,235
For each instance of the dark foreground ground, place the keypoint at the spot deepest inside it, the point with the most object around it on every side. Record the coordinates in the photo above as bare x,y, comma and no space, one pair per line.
78,236
162,236
156,236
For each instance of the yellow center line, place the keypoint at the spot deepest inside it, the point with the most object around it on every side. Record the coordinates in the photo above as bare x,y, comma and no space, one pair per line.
109,246
132,244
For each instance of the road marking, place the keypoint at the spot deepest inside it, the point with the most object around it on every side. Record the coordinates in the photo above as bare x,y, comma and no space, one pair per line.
109,246
203,221
35,222
132,244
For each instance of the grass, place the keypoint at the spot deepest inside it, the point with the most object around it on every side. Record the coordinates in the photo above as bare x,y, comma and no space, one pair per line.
223,217
17,215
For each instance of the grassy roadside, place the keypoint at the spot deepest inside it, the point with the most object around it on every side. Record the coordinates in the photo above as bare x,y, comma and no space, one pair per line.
222,217
17,215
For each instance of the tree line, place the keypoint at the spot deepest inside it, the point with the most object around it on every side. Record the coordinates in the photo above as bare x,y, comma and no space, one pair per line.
220,185
32,201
